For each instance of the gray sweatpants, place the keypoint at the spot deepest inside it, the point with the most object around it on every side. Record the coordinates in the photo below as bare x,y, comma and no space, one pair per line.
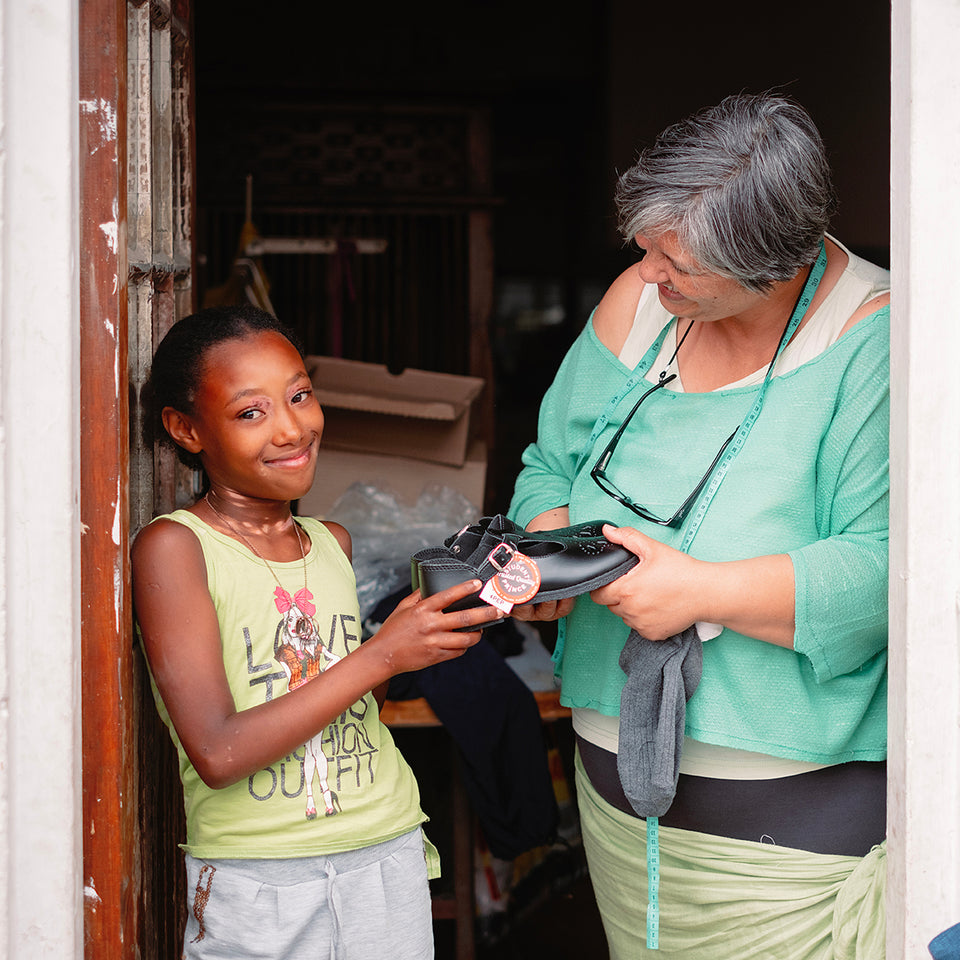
359,905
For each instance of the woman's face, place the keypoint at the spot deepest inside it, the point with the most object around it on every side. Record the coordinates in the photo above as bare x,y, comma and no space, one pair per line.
686,289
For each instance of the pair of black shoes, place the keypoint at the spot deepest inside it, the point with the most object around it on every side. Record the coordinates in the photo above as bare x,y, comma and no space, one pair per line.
518,566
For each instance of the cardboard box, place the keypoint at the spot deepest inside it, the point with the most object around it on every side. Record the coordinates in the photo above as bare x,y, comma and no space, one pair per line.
398,432
404,476
415,414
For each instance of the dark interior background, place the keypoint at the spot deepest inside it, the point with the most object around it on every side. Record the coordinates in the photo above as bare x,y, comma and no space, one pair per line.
571,91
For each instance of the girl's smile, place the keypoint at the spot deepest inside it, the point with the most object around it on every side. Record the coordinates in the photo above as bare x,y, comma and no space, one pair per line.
294,460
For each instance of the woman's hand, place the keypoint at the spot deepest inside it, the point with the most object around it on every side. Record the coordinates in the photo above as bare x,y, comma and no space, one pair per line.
418,633
667,591
658,597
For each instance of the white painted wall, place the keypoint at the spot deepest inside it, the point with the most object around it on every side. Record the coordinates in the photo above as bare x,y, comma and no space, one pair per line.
40,794
924,768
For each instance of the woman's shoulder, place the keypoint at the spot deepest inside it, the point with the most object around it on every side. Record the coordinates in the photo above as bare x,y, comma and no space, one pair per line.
861,290
871,275
613,318
867,309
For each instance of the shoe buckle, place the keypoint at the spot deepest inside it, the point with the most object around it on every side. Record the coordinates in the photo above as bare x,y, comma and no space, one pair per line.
500,556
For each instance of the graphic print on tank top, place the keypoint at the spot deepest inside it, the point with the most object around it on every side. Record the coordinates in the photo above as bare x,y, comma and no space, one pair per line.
303,655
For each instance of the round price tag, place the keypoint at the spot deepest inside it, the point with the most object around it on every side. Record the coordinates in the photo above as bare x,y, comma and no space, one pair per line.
518,581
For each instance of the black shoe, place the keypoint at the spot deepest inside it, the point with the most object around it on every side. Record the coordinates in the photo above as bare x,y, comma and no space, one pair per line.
458,546
429,553
570,561
482,535
472,542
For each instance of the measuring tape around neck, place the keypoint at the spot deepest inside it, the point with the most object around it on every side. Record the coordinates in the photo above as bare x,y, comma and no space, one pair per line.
736,445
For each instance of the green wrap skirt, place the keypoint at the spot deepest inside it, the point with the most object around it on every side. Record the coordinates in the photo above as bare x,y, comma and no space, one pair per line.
723,899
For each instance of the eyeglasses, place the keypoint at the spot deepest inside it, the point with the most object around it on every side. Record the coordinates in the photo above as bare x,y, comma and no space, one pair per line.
611,489
598,472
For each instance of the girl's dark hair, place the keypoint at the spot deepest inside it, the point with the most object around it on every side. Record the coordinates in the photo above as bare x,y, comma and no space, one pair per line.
178,364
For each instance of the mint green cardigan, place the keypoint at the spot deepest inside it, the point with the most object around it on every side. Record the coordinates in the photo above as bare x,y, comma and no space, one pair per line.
811,481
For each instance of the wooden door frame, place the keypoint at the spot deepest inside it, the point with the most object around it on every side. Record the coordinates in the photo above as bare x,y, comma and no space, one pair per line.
135,282
110,834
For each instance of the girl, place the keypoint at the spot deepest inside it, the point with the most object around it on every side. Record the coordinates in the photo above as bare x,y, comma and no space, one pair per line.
250,625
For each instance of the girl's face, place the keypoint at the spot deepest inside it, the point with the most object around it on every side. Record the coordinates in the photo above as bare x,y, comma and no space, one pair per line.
685,288
256,423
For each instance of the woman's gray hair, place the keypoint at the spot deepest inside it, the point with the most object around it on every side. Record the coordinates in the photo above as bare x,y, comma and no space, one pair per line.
745,185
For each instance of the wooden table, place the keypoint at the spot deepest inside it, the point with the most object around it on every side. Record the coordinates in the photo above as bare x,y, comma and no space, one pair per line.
417,712
459,906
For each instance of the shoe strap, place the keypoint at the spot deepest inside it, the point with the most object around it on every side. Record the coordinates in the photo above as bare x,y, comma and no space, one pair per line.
465,540
475,541
482,566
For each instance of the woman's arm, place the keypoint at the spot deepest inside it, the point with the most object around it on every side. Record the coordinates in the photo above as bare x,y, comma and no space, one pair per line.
181,636
842,579
555,519
588,377
668,590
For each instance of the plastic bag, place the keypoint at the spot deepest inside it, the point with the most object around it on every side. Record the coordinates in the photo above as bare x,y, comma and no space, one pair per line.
387,532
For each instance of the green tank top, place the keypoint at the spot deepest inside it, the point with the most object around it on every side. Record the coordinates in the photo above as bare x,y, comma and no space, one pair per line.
348,787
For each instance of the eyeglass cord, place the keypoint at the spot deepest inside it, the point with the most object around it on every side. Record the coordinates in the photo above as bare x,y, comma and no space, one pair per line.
673,356
796,316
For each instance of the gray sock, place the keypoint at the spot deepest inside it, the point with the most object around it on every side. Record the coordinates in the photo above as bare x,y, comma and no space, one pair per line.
661,678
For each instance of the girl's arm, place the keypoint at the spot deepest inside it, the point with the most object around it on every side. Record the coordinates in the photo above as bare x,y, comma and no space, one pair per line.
181,636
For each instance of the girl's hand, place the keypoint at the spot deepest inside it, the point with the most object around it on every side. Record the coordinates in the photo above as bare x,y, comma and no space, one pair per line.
181,636
418,633
660,596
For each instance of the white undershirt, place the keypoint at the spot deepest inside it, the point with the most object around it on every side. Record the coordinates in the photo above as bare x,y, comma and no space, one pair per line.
861,281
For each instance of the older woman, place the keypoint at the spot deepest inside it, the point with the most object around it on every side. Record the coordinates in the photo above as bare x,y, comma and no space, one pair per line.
727,407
